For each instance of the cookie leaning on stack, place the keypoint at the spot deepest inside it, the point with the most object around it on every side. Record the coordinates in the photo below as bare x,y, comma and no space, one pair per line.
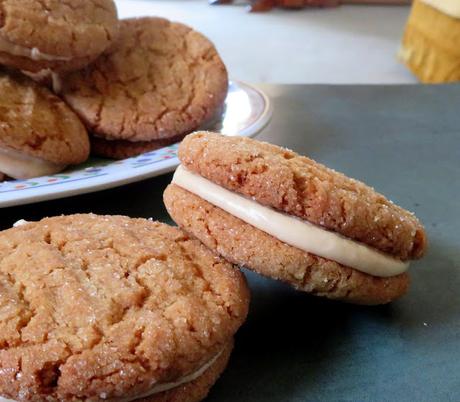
161,81
287,217
112,308
39,134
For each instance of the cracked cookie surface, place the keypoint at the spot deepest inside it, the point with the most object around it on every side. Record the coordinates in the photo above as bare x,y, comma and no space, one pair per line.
37,123
60,35
106,307
297,185
263,253
161,80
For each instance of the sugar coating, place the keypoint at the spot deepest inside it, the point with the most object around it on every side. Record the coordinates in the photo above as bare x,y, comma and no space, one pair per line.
38,123
161,80
79,30
99,305
245,245
297,185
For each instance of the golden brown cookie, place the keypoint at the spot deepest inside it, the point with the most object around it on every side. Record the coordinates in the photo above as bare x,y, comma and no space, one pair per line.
37,35
160,81
291,218
299,186
39,133
107,307
271,257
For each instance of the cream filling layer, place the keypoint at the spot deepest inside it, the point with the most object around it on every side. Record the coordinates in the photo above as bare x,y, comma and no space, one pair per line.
44,75
34,53
291,230
449,7
20,222
160,387
18,165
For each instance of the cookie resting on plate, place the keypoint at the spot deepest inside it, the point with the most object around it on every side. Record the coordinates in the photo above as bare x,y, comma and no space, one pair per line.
160,82
39,134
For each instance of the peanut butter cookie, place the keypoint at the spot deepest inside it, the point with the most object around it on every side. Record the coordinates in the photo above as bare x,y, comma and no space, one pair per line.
161,81
55,35
113,308
291,218
39,133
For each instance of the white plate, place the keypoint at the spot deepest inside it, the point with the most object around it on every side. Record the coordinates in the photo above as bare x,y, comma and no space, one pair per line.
247,111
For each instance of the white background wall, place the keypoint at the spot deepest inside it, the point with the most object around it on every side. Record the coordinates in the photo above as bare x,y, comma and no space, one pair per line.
350,44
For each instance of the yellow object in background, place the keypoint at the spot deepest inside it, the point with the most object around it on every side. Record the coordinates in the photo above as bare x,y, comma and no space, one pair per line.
431,42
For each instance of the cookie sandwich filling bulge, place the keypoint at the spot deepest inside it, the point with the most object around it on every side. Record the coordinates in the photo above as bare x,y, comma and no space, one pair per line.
30,53
159,388
19,165
292,230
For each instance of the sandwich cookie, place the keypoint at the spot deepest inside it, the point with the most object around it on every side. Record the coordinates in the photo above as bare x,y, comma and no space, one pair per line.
109,308
161,81
287,217
41,35
39,134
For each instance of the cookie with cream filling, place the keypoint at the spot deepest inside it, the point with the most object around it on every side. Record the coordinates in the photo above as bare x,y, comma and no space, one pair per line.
109,308
39,133
55,35
290,218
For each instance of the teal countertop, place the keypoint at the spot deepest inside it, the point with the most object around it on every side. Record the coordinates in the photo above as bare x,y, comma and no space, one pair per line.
405,142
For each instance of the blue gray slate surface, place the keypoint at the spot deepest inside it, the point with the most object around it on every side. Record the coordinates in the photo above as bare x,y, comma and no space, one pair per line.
405,142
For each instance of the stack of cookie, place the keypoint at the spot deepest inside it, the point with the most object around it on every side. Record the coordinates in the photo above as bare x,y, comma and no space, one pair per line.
135,85
109,308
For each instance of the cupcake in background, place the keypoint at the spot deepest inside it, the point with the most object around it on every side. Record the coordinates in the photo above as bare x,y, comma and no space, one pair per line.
431,43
